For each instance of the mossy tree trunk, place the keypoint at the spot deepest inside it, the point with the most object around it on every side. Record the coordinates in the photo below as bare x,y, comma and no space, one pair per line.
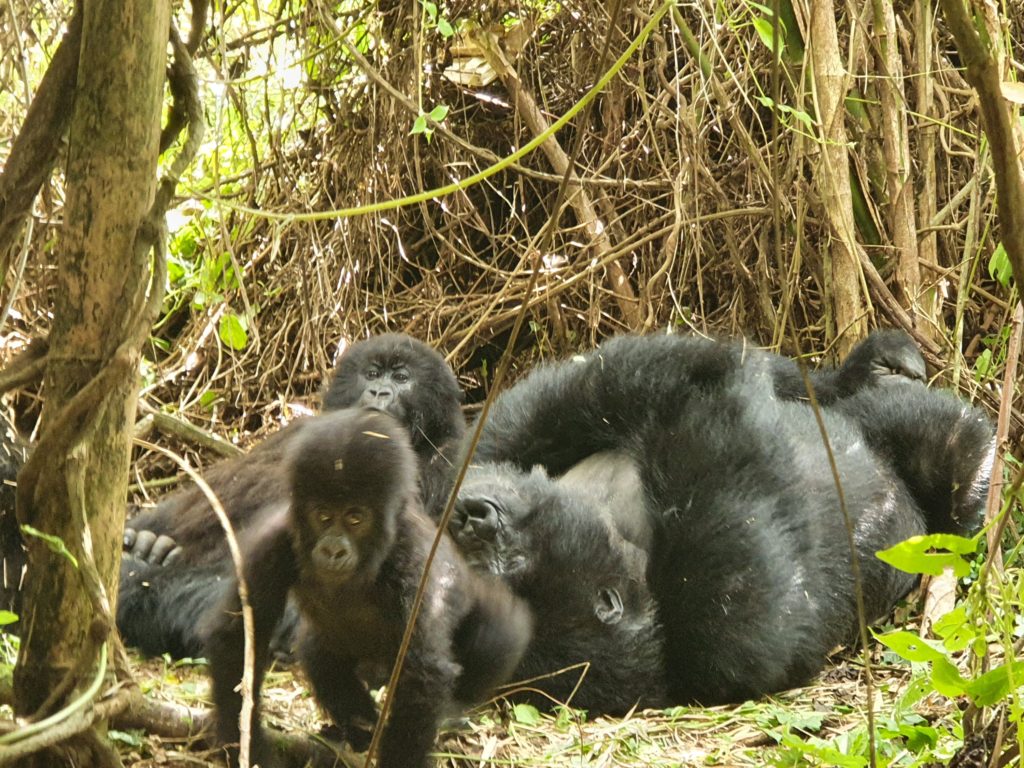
74,487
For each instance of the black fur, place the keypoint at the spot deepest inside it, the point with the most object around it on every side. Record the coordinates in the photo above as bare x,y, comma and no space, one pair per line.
351,548
688,450
563,413
884,358
392,372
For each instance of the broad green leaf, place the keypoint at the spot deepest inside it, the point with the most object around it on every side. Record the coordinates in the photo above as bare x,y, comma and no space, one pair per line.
439,113
994,685
7,617
999,267
916,555
232,331
419,125
956,631
763,27
526,714
910,646
445,28
983,365
946,679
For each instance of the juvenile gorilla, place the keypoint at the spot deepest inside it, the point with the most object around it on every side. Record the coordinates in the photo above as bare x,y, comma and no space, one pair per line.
351,548
686,449
177,553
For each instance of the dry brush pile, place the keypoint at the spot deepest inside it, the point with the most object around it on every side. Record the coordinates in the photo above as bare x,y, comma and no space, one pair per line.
792,196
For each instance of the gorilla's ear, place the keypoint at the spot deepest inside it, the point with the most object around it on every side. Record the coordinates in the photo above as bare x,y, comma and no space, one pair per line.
608,606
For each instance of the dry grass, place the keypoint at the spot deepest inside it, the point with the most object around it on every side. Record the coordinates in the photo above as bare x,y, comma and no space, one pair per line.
501,735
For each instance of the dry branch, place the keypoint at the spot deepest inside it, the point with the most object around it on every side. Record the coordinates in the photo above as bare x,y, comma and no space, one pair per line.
586,212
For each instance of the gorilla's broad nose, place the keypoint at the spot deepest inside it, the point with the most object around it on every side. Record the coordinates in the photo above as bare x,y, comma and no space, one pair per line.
478,516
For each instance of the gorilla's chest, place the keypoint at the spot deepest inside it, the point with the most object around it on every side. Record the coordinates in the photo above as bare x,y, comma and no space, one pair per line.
362,621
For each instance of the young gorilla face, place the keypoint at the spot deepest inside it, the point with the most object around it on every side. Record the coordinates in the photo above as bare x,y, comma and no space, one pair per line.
405,378
348,491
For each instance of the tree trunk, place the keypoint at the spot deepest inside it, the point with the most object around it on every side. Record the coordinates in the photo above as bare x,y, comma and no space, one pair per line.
75,484
832,176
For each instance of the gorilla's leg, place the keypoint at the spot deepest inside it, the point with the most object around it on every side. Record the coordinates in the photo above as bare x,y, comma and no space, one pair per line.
941,447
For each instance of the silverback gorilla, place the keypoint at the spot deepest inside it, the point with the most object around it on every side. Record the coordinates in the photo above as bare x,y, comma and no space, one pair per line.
176,553
351,547
682,454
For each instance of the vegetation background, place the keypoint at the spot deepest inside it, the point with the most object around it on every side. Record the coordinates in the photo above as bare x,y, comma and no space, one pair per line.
794,173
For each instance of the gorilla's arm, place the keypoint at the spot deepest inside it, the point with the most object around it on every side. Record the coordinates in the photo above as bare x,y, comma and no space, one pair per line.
884,358
565,411
243,484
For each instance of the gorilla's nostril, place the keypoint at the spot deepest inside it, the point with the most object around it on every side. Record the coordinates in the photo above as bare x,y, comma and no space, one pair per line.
480,516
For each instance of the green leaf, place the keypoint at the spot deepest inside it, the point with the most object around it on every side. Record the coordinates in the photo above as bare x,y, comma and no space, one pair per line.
999,267
232,331
910,646
763,27
526,714
995,685
55,543
983,365
956,631
822,751
946,679
7,617
208,398
439,113
799,114
445,28
419,126
916,555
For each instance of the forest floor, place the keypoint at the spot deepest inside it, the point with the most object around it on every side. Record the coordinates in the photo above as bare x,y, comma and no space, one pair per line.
811,726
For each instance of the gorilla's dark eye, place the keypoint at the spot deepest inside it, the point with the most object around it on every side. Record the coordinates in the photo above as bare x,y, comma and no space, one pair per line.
373,373
354,517
400,376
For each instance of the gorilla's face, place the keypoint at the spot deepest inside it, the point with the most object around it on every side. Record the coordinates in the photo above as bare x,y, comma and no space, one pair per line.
550,544
597,640
491,523
405,378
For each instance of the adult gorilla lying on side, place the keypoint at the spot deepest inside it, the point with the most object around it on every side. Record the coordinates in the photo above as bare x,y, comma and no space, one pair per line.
684,447
176,553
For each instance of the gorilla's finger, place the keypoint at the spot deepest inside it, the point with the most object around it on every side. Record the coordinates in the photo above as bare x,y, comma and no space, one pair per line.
162,547
144,541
